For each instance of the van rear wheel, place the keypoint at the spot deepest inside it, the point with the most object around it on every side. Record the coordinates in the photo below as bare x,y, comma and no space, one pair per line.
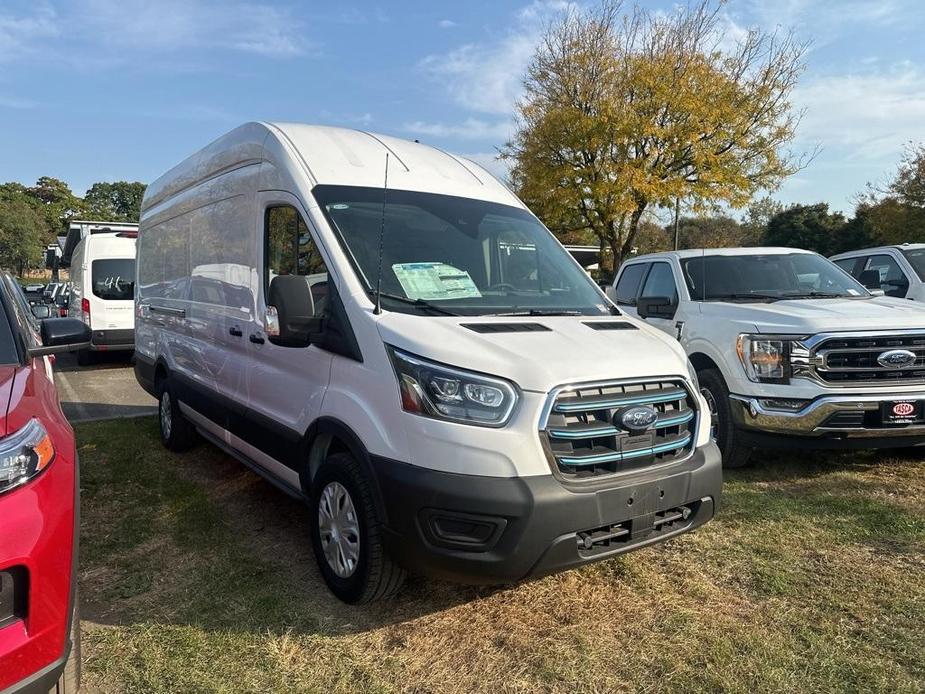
347,534
177,433
724,432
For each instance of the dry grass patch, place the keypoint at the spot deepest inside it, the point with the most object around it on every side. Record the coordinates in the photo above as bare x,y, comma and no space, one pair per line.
197,576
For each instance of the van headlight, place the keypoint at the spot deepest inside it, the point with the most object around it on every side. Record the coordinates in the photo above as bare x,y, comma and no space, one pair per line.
766,358
24,454
443,392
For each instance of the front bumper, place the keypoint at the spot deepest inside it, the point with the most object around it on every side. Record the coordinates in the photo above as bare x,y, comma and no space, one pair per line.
816,420
476,529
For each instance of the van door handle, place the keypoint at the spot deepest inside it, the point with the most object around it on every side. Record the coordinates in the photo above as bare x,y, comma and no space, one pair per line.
235,330
257,338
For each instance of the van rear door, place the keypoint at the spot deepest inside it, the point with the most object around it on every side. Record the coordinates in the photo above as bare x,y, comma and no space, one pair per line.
111,298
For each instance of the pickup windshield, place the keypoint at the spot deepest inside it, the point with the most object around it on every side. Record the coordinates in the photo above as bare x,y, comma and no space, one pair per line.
916,259
443,254
767,277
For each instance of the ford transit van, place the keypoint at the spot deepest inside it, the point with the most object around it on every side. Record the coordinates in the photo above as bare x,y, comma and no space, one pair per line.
103,291
384,330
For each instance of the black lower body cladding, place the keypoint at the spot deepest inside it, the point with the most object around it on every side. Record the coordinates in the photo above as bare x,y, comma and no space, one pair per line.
489,530
123,338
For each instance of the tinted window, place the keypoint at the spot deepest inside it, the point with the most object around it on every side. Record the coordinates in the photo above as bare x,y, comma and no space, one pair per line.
291,250
767,277
847,264
114,278
628,287
660,282
8,353
892,280
469,256
916,258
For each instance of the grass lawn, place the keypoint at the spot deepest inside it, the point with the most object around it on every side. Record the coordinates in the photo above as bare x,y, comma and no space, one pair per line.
198,576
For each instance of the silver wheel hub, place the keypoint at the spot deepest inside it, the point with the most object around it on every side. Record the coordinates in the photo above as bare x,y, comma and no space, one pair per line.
339,529
166,415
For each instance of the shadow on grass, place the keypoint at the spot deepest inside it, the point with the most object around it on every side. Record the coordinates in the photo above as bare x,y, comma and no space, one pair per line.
197,539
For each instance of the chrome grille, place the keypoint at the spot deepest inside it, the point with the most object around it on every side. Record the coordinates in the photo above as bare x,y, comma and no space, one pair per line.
587,439
848,360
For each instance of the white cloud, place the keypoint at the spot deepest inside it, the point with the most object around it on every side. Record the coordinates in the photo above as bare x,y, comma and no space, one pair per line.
470,129
19,35
446,24
871,115
487,77
169,25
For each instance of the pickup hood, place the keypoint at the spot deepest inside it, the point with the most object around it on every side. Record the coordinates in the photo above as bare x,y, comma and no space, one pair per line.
7,377
810,316
568,352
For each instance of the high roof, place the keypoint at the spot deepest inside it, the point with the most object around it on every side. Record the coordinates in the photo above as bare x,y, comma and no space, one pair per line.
330,155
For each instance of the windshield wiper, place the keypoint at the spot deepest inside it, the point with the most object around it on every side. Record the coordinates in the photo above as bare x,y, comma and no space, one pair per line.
750,295
815,295
420,303
540,312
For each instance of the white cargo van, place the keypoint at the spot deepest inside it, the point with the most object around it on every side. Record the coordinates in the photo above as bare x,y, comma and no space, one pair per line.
103,291
422,361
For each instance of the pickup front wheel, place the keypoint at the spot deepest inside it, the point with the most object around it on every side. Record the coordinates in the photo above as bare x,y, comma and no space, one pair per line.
727,437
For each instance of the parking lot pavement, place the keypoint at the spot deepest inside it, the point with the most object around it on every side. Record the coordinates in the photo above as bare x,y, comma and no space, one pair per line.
104,390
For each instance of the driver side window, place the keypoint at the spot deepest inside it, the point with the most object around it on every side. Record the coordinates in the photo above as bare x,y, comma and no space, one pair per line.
291,250
660,282
892,280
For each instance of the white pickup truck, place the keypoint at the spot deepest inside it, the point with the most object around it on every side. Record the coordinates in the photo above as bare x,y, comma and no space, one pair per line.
790,350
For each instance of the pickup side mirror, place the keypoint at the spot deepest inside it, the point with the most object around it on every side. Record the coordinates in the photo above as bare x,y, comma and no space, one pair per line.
656,307
62,335
291,319
41,311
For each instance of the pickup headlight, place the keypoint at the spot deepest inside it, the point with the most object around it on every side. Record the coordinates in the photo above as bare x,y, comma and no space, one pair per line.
442,392
766,358
24,454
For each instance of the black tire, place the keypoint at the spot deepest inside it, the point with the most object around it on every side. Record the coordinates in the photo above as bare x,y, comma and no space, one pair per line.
713,387
85,357
177,433
375,575
69,681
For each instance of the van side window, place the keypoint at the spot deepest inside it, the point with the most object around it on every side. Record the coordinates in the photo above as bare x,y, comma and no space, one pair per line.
628,286
893,280
291,250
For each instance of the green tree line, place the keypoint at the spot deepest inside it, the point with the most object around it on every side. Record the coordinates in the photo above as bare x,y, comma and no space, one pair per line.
31,217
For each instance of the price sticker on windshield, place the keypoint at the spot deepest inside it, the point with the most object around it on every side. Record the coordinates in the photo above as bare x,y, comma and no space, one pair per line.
434,281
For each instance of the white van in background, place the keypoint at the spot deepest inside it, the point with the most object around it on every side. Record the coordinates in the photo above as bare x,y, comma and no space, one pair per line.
103,291
487,416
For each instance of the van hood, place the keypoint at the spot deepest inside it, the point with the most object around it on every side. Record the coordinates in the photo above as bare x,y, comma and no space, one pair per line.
810,316
565,350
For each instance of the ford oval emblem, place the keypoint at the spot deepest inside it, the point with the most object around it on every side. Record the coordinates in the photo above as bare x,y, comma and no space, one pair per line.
897,359
635,419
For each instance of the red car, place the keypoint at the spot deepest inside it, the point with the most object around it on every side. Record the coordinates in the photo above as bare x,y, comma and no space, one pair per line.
39,646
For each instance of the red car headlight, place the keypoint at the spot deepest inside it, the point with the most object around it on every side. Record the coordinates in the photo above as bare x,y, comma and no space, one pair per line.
24,454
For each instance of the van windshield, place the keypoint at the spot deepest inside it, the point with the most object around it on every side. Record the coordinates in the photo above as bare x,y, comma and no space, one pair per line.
114,278
767,277
459,255
916,259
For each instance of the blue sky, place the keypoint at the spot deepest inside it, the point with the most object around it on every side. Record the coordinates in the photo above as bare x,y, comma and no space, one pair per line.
123,89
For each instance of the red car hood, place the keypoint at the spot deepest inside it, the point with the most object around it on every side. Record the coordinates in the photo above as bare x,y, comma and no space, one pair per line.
7,376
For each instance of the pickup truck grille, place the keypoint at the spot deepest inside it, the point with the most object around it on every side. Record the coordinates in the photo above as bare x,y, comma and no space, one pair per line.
853,360
588,438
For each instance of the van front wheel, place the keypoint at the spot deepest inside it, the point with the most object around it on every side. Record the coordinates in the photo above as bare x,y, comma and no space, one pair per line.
347,534
724,432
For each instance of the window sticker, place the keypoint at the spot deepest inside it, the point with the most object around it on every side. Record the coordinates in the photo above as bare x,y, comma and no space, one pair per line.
434,281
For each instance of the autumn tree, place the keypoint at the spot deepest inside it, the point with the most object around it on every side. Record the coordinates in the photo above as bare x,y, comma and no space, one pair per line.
895,213
625,112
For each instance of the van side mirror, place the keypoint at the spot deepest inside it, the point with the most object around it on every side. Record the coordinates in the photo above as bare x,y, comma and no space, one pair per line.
656,307
41,311
294,306
62,335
